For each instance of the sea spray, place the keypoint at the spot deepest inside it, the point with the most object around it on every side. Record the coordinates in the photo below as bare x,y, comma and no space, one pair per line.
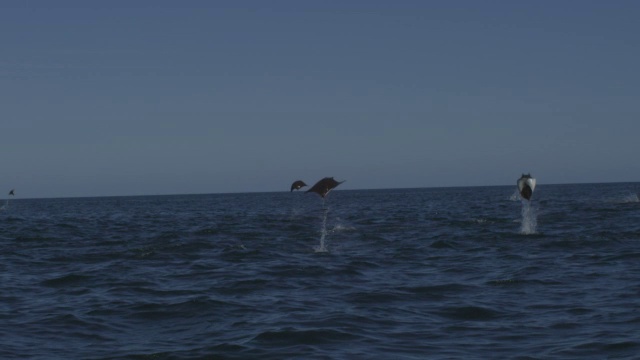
515,196
630,198
323,232
529,219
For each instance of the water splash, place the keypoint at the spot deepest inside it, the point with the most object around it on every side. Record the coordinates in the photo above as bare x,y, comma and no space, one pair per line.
529,219
322,248
630,198
342,228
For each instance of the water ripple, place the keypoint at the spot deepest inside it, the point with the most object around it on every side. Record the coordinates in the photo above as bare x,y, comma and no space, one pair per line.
416,273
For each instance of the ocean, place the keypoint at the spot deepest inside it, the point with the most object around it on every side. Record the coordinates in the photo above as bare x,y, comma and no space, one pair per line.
433,273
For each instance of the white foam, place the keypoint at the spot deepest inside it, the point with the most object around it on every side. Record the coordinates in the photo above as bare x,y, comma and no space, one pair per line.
630,198
341,228
323,232
529,218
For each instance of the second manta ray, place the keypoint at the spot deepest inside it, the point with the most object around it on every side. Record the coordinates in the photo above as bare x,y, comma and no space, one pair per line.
526,185
297,185
325,185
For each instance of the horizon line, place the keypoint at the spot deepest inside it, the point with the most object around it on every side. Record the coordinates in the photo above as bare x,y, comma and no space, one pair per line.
277,191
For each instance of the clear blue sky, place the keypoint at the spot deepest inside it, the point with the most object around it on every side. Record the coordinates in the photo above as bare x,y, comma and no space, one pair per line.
131,97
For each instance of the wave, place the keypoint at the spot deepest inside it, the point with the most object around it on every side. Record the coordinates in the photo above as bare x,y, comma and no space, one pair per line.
66,280
291,336
471,313
234,279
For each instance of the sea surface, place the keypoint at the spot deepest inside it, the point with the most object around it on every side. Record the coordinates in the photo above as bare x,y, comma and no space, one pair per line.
435,273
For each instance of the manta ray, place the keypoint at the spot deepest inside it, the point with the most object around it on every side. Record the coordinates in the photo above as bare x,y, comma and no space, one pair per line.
12,192
323,186
297,185
526,185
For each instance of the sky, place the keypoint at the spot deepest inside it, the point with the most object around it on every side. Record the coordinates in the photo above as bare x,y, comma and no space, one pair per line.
110,98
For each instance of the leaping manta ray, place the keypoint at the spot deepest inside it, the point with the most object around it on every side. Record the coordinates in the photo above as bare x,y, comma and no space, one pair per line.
323,186
297,185
6,204
526,185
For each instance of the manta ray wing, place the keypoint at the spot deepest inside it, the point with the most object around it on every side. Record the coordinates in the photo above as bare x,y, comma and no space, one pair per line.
324,186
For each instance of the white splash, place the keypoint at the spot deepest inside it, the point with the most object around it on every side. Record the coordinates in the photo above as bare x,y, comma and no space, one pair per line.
529,219
342,228
515,196
630,198
322,248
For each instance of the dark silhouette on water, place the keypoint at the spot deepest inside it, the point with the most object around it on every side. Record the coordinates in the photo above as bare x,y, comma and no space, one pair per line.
12,192
526,185
297,185
325,185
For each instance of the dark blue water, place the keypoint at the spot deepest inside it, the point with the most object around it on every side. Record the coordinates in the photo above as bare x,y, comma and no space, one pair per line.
445,273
